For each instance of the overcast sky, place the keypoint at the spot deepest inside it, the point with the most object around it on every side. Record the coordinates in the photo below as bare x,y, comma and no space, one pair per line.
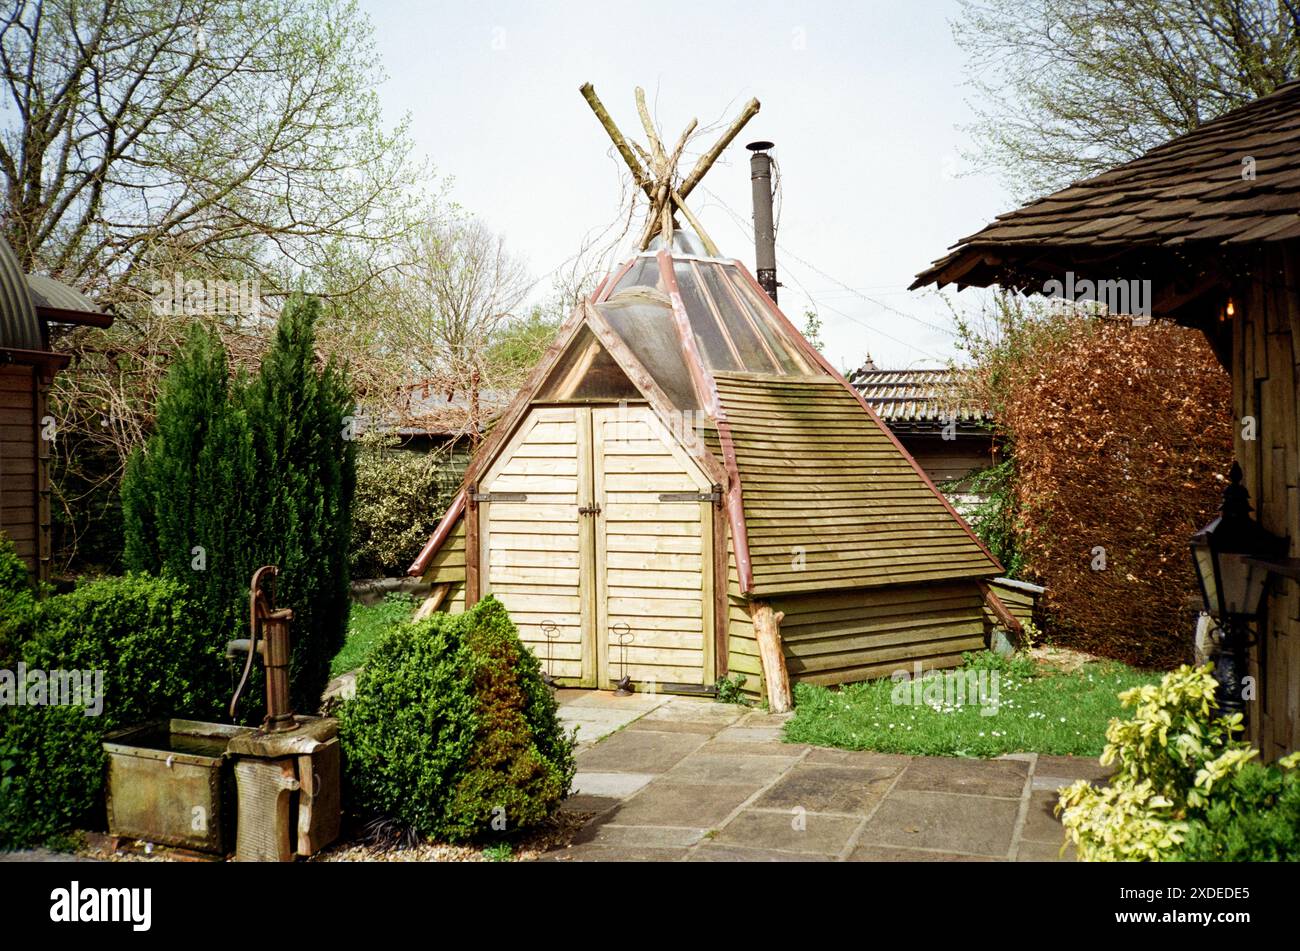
864,101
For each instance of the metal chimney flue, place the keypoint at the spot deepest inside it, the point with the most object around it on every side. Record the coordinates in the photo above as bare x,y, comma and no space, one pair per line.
760,179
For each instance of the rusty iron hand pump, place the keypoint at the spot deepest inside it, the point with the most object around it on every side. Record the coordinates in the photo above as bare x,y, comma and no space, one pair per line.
270,625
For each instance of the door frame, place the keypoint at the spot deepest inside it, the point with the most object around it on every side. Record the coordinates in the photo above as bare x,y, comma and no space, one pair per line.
593,585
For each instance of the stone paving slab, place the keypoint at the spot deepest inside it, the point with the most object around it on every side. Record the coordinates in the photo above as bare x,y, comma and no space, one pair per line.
600,853
1045,852
711,852
1066,769
913,818
841,789
612,785
788,832
641,837
703,768
876,853
639,751
997,777
682,804
689,779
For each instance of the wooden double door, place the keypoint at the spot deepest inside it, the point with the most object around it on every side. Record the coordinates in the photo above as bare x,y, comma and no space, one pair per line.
596,534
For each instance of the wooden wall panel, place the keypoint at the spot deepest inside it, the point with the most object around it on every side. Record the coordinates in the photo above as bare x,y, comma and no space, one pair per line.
24,467
1265,377
651,555
531,550
848,636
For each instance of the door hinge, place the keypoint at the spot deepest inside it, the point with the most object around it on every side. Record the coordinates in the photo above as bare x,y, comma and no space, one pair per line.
715,496
476,496
589,510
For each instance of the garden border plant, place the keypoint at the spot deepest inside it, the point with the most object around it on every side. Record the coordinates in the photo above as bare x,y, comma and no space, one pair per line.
1185,788
453,733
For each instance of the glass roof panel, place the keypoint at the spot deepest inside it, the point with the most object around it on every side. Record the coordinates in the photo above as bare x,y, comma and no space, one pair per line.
643,318
586,371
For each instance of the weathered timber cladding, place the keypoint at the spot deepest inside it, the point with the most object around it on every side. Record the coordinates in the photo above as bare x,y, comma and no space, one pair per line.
532,550
743,646
847,636
24,467
830,502
1019,602
1265,377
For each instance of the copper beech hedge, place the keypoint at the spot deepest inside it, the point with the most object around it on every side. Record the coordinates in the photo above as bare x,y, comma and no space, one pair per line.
1122,436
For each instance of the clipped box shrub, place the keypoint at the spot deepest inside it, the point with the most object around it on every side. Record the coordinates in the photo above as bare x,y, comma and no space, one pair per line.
157,662
453,732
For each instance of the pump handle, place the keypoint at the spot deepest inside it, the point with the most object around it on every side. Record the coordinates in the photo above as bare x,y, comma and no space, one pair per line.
259,607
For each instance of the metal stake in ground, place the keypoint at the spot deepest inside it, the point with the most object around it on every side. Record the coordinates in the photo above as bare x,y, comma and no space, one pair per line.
623,632
551,631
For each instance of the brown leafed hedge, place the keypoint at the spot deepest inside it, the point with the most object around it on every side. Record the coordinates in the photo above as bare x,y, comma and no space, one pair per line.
1121,436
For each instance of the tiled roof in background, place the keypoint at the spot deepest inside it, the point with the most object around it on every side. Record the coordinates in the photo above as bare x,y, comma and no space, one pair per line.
915,397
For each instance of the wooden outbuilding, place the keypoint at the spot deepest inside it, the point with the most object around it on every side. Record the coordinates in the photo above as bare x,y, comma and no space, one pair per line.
950,438
1205,231
682,465
685,489
29,303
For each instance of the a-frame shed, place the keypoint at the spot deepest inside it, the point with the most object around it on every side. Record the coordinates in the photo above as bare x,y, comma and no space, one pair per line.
684,484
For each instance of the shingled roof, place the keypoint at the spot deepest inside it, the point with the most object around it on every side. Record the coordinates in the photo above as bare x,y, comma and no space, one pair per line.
1233,181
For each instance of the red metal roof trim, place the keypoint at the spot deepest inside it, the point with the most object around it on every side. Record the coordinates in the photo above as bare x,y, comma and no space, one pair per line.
440,535
610,282
707,390
821,361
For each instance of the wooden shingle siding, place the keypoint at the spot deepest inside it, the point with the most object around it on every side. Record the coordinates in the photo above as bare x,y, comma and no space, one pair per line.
849,636
1265,377
830,502
1190,193
24,507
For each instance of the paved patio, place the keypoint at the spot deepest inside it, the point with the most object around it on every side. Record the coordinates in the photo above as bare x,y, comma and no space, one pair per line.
684,779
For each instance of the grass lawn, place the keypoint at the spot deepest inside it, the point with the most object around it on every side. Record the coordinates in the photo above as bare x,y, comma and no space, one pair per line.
1023,706
366,625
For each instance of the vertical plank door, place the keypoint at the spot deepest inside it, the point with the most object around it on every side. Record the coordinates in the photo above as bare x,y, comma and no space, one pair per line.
537,553
653,557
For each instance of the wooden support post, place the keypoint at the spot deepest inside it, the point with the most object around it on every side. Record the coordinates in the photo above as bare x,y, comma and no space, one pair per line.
767,630
433,601
1000,611
471,552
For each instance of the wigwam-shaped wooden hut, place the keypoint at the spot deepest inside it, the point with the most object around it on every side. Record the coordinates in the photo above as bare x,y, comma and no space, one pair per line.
685,489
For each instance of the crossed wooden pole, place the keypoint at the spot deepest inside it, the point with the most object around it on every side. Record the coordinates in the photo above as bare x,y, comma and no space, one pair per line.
654,171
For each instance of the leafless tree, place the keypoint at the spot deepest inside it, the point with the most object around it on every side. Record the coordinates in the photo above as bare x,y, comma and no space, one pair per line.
1065,89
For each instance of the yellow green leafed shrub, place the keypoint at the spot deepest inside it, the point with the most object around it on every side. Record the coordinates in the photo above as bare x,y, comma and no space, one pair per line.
1176,761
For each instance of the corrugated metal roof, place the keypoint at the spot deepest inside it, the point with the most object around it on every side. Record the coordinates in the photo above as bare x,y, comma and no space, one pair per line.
20,328
830,502
47,292
916,396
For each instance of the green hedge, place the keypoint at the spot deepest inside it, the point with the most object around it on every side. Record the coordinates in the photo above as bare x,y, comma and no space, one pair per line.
17,605
400,498
157,662
453,732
